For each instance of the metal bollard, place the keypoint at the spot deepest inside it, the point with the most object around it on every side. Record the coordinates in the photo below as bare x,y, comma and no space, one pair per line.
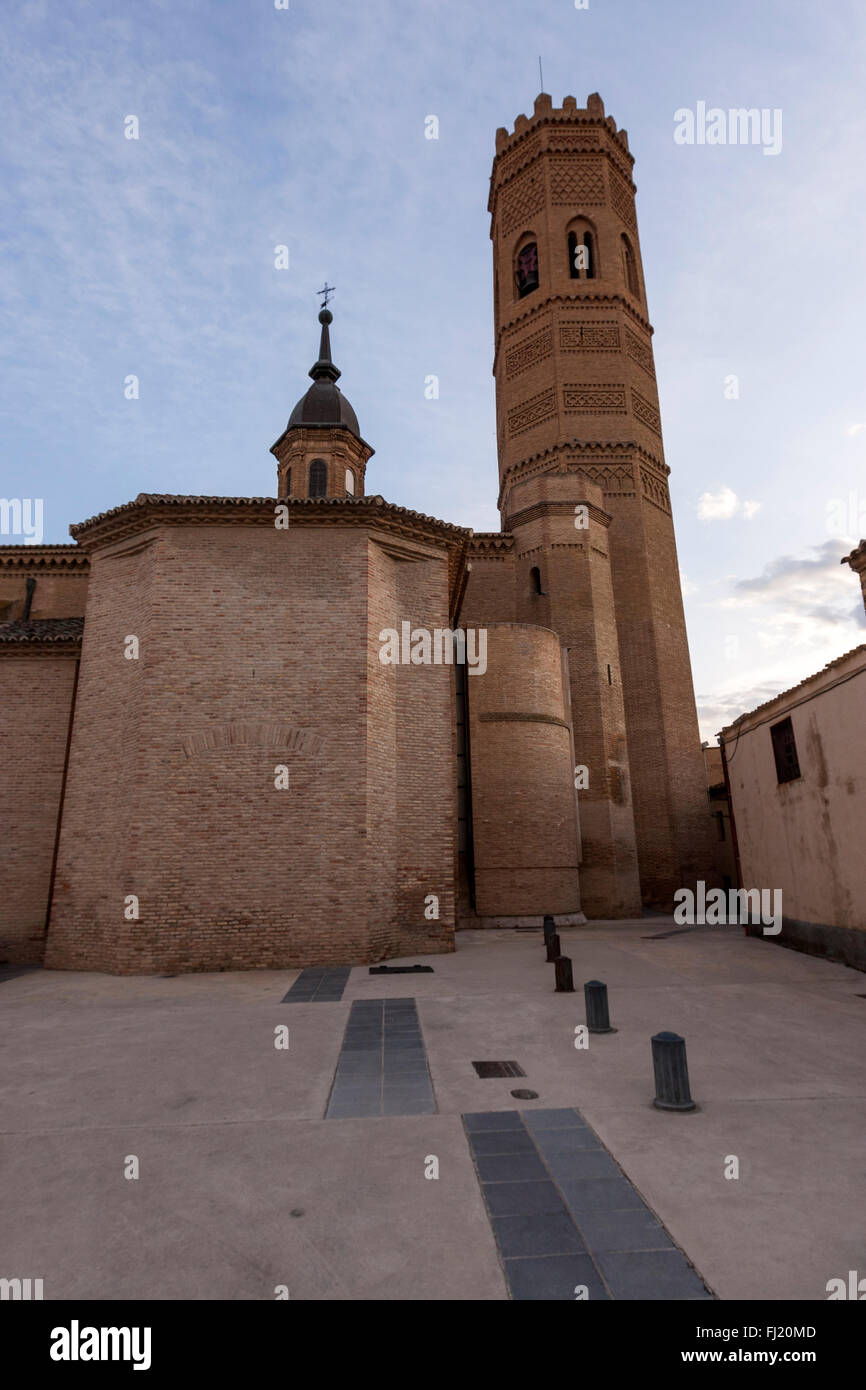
564,977
597,1016
553,947
671,1073
549,929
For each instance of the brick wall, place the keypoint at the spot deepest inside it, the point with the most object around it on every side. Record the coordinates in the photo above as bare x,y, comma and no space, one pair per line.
36,699
255,653
524,813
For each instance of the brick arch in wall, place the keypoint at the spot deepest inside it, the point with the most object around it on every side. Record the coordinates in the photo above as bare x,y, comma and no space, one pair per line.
263,734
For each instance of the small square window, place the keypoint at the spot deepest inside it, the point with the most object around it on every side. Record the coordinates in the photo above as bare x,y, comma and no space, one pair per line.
785,751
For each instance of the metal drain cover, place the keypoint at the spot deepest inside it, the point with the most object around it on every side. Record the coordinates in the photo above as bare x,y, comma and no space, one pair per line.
486,1070
401,969
525,1095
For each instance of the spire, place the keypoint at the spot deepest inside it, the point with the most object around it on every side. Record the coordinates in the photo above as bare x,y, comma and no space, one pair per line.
324,369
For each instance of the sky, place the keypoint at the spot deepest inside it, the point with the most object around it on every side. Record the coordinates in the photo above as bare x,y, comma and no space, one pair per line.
304,126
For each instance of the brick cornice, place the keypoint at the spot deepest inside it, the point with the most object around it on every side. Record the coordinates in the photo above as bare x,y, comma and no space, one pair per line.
491,544
589,453
44,557
149,509
572,301
540,509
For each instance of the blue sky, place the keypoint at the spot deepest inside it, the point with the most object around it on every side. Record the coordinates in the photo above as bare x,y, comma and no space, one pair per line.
305,127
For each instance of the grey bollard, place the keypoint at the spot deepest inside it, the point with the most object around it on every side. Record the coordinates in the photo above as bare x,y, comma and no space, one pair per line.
597,1016
553,947
671,1073
564,977
549,929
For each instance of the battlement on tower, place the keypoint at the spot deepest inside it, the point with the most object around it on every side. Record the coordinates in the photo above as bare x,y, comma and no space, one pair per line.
545,113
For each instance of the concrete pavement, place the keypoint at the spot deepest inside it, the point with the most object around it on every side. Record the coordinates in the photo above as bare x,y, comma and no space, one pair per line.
244,1186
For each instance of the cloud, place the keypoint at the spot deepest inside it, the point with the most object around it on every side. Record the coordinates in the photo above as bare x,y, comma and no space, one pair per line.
723,505
715,712
853,430
802,600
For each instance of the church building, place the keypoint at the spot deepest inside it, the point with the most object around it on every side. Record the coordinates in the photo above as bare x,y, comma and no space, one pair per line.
317,728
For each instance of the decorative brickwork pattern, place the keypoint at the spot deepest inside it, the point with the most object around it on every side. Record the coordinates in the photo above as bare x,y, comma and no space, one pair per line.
523,154
645,412
655,490
640,352
599,335
571,141
527,353
577,181
608,399
622,199
532,412
520,201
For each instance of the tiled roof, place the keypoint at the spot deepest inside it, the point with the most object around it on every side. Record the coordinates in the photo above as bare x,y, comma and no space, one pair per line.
60,630
371,501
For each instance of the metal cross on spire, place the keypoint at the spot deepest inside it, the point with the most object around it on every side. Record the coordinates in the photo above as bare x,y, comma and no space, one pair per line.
326,290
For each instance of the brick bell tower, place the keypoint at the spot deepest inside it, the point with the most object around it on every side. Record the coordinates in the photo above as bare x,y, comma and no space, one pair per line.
320,452
578,426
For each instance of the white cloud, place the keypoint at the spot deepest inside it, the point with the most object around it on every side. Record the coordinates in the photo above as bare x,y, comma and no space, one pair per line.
854,430
723,505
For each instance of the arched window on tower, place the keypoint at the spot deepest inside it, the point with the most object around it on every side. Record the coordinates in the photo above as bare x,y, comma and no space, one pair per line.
350,482
318,478
535,580
287,491
526,269
630,267
581,256
583,263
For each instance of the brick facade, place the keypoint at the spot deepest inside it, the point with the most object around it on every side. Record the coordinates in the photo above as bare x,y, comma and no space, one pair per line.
414,791
577,405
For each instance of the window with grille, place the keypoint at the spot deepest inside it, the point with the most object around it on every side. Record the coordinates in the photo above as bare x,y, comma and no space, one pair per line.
318,478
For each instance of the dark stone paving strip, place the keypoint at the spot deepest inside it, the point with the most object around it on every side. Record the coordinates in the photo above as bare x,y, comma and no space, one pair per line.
564,1214
319,984
382,1068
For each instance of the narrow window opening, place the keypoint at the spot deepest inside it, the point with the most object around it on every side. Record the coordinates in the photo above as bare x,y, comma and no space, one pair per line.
526,274
630,267
535,580
785,751
318,478
609,680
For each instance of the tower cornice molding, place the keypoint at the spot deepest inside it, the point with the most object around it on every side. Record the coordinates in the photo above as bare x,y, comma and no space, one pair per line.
584,455
572,300
533,153
554,508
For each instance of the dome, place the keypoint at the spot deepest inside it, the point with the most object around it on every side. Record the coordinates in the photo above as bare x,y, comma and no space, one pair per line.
324,403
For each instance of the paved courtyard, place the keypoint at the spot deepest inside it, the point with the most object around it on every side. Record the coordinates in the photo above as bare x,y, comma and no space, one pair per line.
309,1167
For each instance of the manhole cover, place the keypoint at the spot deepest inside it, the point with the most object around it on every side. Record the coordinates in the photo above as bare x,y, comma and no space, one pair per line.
525,1095
491,1069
